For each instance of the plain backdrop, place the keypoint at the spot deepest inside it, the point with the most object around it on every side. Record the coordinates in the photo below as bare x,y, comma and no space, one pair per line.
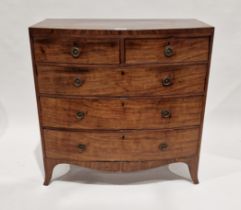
21,169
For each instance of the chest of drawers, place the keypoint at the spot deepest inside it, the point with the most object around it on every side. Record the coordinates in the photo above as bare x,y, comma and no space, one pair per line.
121,95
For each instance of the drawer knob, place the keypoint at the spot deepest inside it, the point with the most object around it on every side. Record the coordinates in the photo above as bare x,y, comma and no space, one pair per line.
163,146
78,82
167,81
80,115
166,114
82,147
75,52
168,51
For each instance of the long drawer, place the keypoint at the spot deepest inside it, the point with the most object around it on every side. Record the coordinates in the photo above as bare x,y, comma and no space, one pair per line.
120,146
169,50
122,81
121,113
76,50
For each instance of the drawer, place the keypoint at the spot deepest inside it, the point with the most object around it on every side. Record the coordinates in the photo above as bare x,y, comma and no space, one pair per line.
77,50
166,50
115,113
121,146
132,81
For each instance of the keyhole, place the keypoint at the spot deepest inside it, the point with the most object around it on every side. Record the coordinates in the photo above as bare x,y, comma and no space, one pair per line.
42,50
123,137
122,73
122,104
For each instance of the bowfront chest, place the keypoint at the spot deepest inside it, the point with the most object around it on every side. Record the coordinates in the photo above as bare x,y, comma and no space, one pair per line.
121,95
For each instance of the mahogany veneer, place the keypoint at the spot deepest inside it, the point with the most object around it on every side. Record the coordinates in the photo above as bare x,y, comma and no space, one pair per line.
121,95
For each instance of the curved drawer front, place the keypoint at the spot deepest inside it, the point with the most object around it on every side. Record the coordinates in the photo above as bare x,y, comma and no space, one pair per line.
109,113
121,146
135,81
166,50
77,50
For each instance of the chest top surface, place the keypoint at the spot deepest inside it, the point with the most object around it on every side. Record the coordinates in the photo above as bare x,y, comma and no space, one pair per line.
120,24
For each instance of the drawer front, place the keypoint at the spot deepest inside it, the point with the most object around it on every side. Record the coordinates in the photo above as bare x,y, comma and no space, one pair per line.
166,50
123,113
77,51
135,81
121,146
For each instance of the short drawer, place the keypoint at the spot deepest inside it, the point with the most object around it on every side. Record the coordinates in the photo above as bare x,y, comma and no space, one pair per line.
125,113
126,81
121,146
76,50
166,50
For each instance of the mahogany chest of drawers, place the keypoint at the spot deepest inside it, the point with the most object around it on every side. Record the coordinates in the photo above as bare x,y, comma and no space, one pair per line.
121,95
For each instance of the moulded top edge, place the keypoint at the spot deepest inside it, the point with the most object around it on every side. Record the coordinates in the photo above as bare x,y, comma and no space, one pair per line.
121,24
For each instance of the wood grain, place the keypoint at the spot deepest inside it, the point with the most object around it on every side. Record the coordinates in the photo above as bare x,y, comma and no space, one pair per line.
122,64
121,27
121,24
128,81
120,146
123,113
114,166
93,51
152,50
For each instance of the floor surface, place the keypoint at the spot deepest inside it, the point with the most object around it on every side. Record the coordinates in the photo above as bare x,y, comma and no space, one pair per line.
72,187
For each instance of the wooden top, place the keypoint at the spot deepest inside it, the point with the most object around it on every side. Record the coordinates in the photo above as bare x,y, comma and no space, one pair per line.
121,24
